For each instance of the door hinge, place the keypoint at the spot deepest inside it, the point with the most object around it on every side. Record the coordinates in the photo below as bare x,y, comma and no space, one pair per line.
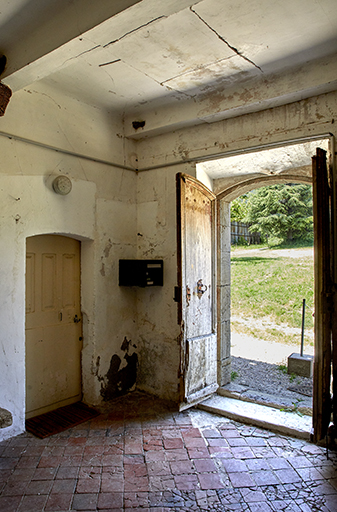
188,296
187,355
177,294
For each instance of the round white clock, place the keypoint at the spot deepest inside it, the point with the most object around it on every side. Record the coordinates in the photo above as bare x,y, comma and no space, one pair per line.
62,185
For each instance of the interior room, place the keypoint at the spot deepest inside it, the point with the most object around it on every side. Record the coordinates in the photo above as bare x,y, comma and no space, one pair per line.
110,116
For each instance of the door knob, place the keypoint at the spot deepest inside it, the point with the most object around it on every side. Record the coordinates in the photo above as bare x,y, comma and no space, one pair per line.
76,319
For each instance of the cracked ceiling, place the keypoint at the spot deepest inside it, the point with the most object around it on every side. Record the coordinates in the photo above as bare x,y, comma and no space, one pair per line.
171,63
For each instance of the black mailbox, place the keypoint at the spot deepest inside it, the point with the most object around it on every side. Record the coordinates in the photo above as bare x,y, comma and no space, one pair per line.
141,273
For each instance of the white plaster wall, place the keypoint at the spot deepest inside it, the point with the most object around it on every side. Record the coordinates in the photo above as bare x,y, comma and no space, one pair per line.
158,330
115,306
100,211
43,114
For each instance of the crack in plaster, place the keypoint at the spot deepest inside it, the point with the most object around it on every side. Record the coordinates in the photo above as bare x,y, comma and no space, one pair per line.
80,54
112,80
199,68
32,91
224,40
108,63
134,30
88,51
107,248
162,84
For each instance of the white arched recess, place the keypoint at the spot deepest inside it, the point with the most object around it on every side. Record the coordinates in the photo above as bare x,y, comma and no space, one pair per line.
30,208
224,199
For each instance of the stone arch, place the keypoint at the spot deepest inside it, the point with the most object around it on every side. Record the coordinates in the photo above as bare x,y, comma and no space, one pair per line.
236,190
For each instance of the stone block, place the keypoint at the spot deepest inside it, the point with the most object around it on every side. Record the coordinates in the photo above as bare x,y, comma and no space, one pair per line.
6,418
300,365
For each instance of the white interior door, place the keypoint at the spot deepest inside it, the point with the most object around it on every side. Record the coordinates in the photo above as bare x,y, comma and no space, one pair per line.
196,276
53,326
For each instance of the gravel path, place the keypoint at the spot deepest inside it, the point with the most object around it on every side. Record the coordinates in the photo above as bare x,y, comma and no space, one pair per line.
266,252
266,383
258,375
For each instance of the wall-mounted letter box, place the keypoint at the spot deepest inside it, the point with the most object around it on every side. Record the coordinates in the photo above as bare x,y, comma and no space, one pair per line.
141,273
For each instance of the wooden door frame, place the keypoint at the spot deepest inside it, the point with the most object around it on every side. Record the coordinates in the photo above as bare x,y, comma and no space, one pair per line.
324,188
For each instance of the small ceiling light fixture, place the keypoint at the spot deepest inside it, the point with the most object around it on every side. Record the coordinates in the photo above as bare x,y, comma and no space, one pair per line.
138,124
62,185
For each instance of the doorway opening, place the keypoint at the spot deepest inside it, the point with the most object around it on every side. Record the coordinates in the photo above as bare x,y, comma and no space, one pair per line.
269,280
53,323
232,176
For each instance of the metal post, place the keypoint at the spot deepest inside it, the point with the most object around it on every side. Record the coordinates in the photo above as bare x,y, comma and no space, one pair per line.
302,336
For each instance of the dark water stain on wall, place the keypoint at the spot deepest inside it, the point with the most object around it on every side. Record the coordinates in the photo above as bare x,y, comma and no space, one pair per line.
119,381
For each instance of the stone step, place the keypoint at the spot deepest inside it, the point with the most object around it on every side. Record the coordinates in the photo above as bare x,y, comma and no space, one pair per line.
239,392
276,420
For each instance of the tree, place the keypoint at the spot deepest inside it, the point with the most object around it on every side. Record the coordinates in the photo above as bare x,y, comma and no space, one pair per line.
239,208
281,213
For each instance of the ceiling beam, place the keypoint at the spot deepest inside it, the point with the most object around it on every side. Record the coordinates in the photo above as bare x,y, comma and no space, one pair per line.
256,94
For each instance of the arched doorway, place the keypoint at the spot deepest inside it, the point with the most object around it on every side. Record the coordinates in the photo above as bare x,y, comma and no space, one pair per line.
53,323
225,199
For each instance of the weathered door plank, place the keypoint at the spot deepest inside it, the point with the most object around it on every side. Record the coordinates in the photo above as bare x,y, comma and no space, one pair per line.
197,290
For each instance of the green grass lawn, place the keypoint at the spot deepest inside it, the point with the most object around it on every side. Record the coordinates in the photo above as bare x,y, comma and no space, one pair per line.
272,287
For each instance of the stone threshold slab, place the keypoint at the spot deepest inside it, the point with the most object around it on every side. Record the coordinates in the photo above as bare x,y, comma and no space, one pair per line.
281,422
239,392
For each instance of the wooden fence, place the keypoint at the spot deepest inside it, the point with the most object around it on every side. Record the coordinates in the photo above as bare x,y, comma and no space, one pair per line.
240,234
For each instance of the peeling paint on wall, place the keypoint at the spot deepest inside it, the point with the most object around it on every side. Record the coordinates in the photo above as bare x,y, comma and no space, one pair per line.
119,381
107,248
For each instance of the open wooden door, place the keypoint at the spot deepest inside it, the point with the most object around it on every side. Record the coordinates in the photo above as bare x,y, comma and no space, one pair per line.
325,323
197,290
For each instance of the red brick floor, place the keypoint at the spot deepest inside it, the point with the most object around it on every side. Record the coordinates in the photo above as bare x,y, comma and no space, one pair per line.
145,456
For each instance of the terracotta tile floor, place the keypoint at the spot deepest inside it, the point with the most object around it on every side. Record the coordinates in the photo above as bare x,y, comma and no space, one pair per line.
144,456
